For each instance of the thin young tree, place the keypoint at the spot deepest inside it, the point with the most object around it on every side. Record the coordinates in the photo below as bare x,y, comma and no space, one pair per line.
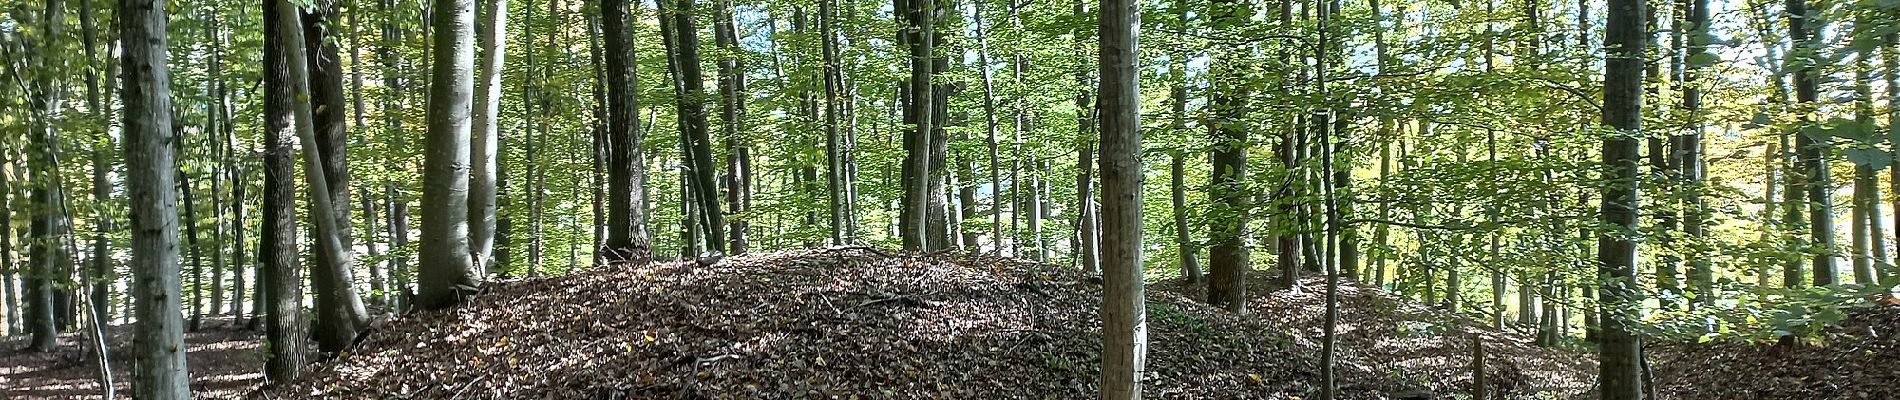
445,269
485,137
159,341
317,77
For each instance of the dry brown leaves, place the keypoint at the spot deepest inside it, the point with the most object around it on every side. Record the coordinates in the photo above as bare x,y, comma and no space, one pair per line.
841,323
1854,362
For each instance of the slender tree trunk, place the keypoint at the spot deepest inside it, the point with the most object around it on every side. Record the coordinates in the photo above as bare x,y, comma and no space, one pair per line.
190,223
234,171
318,80
599,129
690,94
101,275
485,137
1812,153
1124,327
159,341
48,194
732,93
1868,246
918,26
989,127
1890,68
1085,154
445,269
1619,375
286,329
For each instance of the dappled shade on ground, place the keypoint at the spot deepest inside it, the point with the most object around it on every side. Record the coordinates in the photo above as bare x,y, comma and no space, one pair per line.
225,361
820,323
1409,345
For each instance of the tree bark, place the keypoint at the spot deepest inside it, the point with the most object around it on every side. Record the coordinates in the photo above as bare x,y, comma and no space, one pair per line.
446,270
732,94
1619,373
918,26
48,200
317,78
690,93
627,238
286,328
1124,327
101,276
485,138
1812,153
159,340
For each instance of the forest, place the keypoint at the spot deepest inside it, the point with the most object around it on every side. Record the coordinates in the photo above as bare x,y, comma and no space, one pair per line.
775,199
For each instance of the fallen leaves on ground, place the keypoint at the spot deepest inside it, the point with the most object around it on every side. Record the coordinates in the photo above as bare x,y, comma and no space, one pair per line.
836,323
1853,361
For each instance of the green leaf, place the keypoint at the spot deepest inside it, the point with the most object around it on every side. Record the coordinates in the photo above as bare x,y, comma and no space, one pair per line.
1869,157
1703,59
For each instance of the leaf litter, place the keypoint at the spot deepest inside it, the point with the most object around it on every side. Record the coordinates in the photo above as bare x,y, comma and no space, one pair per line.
852,323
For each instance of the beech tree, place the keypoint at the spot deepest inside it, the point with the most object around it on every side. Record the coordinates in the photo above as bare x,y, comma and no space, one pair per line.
445,269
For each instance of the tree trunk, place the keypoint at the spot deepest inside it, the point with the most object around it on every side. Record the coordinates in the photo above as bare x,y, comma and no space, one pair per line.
485,138
317,76
48,194
1890,60
1619,375
159,340
1124,327
286,329
627,239
101,276
732,93
690,92
445,269
190,222
918,26
1812,153
1227,227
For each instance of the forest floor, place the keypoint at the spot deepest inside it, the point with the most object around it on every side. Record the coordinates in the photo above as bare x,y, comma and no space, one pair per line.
863,323
860,323
1856,362
225,363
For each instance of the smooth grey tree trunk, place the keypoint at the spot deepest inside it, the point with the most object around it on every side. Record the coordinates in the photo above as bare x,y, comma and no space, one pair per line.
446,270
485,137
340,311
48,195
